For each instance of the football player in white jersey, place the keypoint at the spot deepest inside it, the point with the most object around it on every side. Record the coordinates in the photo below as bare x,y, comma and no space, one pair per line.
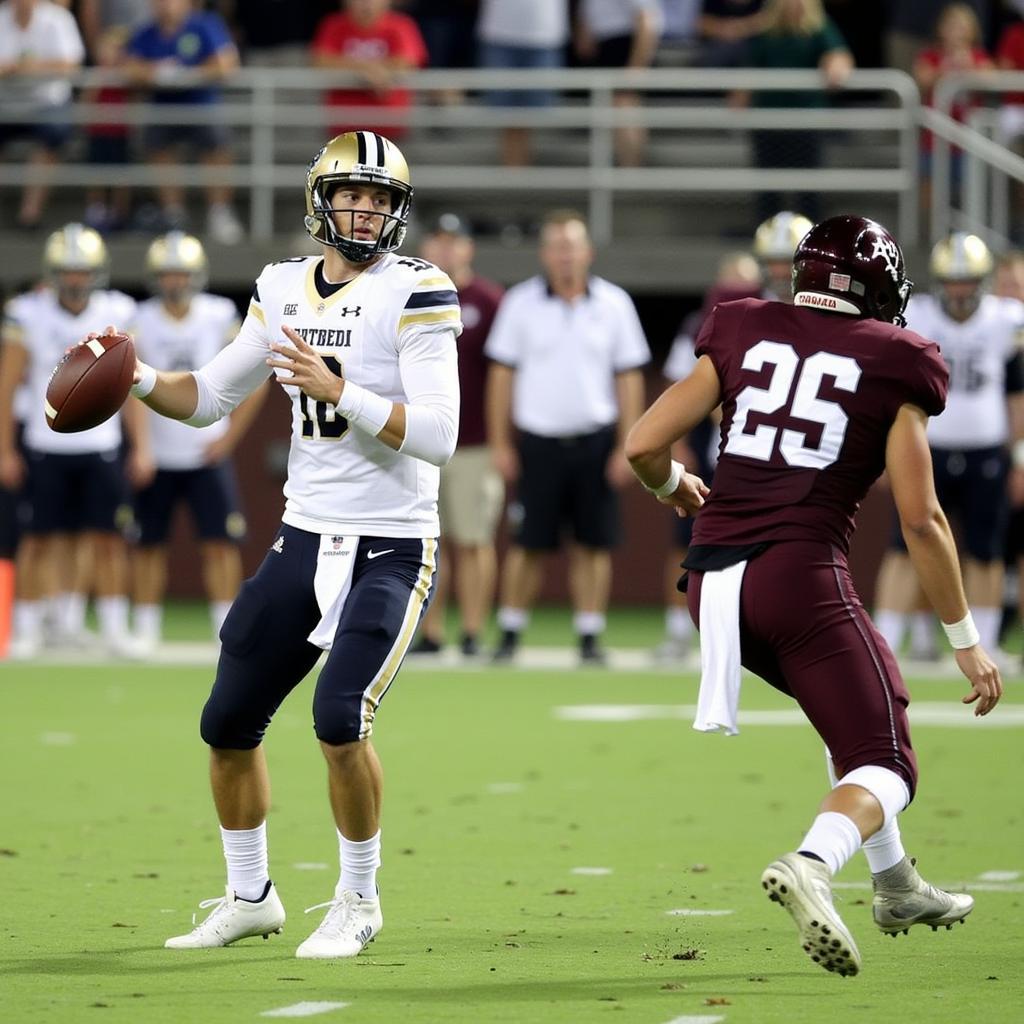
775,241
182,328
980,337
75,482
364,342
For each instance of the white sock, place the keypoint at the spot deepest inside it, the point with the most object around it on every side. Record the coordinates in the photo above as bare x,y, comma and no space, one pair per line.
513,619
245,852
885,848
833,837
72,613
893,626
52,613
148,622
359,863
113,615
987,620
922,632
218,613
27,619
589,623
677,623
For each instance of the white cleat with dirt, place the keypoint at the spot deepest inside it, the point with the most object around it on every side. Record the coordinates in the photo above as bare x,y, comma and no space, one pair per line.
232,919
803,886
350,924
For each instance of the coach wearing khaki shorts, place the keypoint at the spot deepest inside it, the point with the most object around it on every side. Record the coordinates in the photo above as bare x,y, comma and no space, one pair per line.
472,492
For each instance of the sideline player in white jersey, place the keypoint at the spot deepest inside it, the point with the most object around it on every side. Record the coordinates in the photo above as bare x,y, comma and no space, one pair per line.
75,482
364,341
980,337
182,328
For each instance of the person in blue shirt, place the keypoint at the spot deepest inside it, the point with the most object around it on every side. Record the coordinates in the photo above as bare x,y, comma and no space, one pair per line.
167,55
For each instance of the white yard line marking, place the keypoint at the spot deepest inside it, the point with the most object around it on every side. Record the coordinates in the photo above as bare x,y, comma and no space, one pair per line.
1009,716
501,788
693,912
999,876
304,1009
57,739
309,865
699,1019
591,871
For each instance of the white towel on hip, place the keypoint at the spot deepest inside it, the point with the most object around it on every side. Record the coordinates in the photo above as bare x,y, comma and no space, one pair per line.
335,563
720,670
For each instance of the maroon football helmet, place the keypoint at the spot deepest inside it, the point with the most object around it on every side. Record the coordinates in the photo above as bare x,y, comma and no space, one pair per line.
852,265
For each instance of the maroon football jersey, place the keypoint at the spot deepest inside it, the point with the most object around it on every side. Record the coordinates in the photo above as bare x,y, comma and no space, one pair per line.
807,402
479,301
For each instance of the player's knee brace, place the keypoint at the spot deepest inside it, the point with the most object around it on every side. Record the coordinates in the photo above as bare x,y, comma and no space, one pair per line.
884,785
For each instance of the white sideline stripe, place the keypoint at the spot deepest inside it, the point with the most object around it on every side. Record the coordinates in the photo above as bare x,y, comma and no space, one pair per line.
693,912
999,876
309,865
57,739
952,714
304,1009
591,871
699,1019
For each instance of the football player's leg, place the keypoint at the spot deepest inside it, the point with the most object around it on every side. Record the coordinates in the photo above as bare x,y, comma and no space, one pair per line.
388,597
153,507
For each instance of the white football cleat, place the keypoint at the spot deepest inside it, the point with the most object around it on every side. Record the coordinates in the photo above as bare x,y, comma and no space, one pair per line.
350,923
902,898
803,886
232,919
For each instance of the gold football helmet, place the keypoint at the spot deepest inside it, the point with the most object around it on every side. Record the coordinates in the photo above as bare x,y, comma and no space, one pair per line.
778,236
362,158
960,266
177,253
75,247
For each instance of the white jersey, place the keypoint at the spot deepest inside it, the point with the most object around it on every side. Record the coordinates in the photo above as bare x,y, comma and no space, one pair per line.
976,352
38,322
166,343
392,331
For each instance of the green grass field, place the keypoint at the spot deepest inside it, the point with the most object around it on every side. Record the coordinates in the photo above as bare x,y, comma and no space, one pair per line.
493,799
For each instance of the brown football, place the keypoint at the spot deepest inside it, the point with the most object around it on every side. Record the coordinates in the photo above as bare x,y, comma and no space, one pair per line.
90,383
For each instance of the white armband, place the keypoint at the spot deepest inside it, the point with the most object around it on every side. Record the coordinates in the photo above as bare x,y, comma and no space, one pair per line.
146,381
962,634
675,477
364,409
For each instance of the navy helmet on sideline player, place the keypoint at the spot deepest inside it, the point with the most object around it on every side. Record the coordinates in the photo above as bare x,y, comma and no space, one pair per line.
852,265
960,266
358,158
176,267
71,253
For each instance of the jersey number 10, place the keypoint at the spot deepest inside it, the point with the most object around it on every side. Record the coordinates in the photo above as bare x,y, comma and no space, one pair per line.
786,366
324,424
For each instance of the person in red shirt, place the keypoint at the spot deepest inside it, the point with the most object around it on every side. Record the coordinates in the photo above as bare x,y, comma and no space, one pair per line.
377,44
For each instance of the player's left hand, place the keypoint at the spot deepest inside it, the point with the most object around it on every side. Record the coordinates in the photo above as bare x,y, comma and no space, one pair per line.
140,468
308,371
688,498
618,472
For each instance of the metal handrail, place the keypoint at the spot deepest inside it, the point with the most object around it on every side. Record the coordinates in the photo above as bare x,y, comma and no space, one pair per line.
256,99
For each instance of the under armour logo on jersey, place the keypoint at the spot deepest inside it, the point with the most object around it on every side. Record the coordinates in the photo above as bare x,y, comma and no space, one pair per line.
888,250
291,309
278,545
350,311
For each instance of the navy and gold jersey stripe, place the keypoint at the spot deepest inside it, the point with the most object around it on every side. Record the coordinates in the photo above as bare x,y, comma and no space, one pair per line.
425,300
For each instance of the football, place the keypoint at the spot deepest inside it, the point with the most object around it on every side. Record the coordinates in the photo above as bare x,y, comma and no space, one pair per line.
90,383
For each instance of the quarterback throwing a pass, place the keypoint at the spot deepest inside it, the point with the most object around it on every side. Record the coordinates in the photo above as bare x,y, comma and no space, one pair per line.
364,342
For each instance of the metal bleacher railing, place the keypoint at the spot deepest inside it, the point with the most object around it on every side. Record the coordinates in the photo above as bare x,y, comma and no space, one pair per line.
278,115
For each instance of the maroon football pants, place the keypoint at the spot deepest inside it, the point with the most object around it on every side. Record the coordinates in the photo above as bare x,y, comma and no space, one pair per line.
804,630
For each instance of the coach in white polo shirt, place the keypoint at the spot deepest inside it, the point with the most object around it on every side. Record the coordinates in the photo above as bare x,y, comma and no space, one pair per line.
567,351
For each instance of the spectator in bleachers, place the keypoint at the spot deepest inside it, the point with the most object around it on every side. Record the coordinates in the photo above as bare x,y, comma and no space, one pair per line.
275,33
797,34
98,17
679,34
521,34
448,28
910,24
726,28
376,44
956,47
176,46
39,47
621,34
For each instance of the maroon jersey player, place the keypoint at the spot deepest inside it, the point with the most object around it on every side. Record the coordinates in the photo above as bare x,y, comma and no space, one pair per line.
818,399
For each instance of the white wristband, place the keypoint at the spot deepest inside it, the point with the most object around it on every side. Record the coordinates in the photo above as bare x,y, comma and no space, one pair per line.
364,409
675,476
962,634
146,381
